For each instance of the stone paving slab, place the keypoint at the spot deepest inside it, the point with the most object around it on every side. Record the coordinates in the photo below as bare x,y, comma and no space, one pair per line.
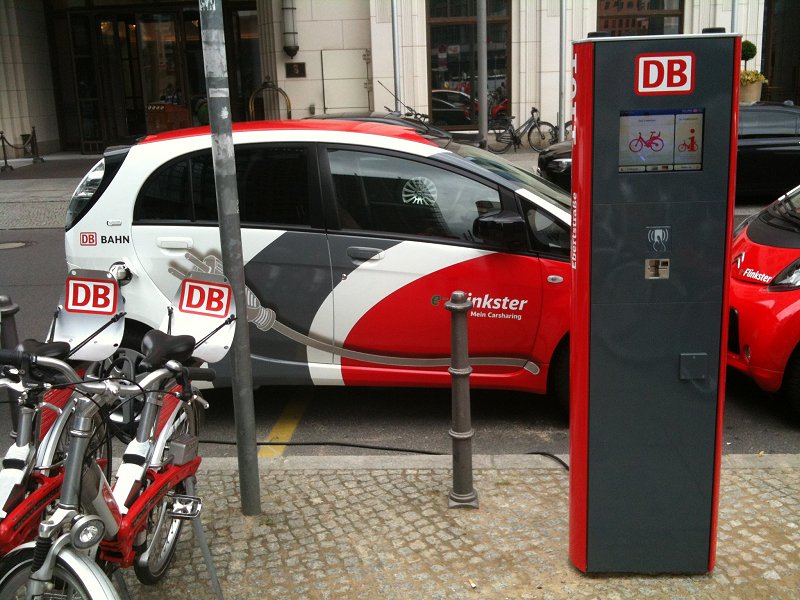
387,533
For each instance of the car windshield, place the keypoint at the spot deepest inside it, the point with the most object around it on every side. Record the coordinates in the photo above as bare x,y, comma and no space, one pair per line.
510,172
786,209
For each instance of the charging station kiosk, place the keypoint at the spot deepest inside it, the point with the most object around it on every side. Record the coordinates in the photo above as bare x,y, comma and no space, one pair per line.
652,210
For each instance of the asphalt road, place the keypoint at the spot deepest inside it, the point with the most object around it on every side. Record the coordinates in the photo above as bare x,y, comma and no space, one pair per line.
32,273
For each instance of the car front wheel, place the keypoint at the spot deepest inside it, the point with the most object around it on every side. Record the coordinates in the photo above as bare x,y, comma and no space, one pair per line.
790,390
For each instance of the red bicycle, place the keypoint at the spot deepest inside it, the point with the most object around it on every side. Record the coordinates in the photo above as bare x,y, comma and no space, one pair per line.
654,142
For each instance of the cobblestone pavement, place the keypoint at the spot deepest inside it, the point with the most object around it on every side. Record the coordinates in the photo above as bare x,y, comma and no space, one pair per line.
387,533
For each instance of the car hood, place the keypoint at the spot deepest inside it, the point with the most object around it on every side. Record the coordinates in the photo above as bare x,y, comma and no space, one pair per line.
757,263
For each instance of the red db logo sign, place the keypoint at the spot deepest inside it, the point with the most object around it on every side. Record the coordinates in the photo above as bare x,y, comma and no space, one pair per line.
88,238
664,74
93,296
204,298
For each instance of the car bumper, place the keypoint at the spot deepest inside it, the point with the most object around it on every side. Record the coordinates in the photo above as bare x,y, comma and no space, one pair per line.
764,328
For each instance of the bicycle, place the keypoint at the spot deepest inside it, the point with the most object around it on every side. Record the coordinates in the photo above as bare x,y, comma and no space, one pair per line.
135,523
654,142
502,135
96,529
30,470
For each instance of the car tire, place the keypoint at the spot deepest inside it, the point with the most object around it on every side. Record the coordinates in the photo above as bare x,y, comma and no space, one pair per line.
558,377
790,390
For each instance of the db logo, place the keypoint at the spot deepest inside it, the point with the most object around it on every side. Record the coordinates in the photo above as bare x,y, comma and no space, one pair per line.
88,238
204,298
93,296
664,74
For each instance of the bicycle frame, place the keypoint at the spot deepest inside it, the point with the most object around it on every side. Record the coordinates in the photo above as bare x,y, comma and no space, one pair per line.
89,490
22,514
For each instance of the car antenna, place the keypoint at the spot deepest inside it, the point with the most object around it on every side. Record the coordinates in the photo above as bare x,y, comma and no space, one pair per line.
411,112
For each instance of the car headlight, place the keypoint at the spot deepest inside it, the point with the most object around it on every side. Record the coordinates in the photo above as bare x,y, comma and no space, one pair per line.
560,165
788,279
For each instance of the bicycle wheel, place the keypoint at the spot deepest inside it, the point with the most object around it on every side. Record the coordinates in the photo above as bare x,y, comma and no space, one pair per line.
541,135
164,531
657,145
636,145
16,568
499,137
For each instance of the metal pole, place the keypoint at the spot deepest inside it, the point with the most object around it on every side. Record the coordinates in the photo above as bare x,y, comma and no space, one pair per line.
483,80
463,494
6,166
222,152
35,146
562,48
733,16
9,340
396,57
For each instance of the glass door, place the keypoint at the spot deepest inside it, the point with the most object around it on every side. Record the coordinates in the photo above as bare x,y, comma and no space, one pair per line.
163,85
124,105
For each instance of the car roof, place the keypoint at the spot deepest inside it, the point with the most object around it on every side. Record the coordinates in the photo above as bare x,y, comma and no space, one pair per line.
390,118
363,127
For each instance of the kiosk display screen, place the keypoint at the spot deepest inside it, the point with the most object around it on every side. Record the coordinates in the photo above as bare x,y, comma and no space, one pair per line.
653,141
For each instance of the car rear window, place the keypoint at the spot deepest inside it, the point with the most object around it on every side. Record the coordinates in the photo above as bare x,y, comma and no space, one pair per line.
764,122
272,183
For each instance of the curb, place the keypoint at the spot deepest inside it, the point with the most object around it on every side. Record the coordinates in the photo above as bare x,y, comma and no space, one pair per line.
500,462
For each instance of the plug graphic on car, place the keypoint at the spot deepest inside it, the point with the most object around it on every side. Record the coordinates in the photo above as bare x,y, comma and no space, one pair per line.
266,319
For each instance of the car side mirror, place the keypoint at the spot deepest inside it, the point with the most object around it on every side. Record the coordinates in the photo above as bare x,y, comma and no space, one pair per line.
503,228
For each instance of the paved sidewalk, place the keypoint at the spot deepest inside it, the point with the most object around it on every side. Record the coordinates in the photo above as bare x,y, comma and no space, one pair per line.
379,527
36,195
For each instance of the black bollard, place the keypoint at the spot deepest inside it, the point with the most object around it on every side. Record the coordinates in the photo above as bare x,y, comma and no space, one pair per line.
9,340
463,494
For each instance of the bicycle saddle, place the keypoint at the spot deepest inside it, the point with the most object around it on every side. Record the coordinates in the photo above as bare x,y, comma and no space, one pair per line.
59,350
159,347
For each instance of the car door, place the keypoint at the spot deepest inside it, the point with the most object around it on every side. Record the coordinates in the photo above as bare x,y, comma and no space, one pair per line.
287,265
406,240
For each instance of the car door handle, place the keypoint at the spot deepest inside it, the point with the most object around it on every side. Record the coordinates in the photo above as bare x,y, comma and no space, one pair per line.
361,253
175,243
555,279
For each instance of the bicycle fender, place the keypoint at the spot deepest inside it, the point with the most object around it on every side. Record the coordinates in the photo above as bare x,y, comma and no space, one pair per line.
98,586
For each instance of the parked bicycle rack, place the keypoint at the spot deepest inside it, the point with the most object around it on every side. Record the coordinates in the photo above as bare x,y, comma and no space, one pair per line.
268,86
30,148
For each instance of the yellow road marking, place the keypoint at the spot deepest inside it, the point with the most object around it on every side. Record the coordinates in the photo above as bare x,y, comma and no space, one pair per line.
284,428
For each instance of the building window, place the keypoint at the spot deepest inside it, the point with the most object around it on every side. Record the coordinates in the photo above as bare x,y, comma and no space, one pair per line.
640,17
452,37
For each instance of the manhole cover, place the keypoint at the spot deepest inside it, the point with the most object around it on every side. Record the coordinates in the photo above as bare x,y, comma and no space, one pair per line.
13,245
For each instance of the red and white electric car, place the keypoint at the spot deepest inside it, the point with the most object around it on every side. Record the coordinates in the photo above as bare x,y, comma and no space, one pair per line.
355,235
764,335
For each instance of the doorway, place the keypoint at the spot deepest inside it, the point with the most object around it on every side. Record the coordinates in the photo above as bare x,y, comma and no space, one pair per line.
137,71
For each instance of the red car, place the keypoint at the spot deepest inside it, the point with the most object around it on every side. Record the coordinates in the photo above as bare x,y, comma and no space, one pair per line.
764,336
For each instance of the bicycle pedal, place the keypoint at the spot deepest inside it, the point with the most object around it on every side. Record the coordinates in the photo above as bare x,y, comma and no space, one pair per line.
185,507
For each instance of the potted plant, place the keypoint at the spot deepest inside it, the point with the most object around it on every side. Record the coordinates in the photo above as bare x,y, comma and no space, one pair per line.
750,82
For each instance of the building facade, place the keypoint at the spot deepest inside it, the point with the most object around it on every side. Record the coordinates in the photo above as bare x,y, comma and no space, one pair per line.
89,74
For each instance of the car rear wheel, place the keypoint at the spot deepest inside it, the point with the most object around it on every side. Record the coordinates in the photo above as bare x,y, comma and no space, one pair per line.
790,391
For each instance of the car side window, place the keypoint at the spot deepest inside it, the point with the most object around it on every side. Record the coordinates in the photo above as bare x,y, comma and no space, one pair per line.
272,182
549,235
376,192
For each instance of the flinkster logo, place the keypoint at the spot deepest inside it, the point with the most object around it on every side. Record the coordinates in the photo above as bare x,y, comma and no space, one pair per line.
489,306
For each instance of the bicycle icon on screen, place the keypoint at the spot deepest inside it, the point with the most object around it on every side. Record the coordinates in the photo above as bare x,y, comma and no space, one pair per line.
654,142
689,145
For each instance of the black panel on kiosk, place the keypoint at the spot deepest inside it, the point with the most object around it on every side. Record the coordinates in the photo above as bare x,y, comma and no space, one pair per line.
652,211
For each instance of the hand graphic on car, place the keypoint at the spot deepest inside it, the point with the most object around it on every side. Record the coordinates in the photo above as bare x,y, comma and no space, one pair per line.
263,318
